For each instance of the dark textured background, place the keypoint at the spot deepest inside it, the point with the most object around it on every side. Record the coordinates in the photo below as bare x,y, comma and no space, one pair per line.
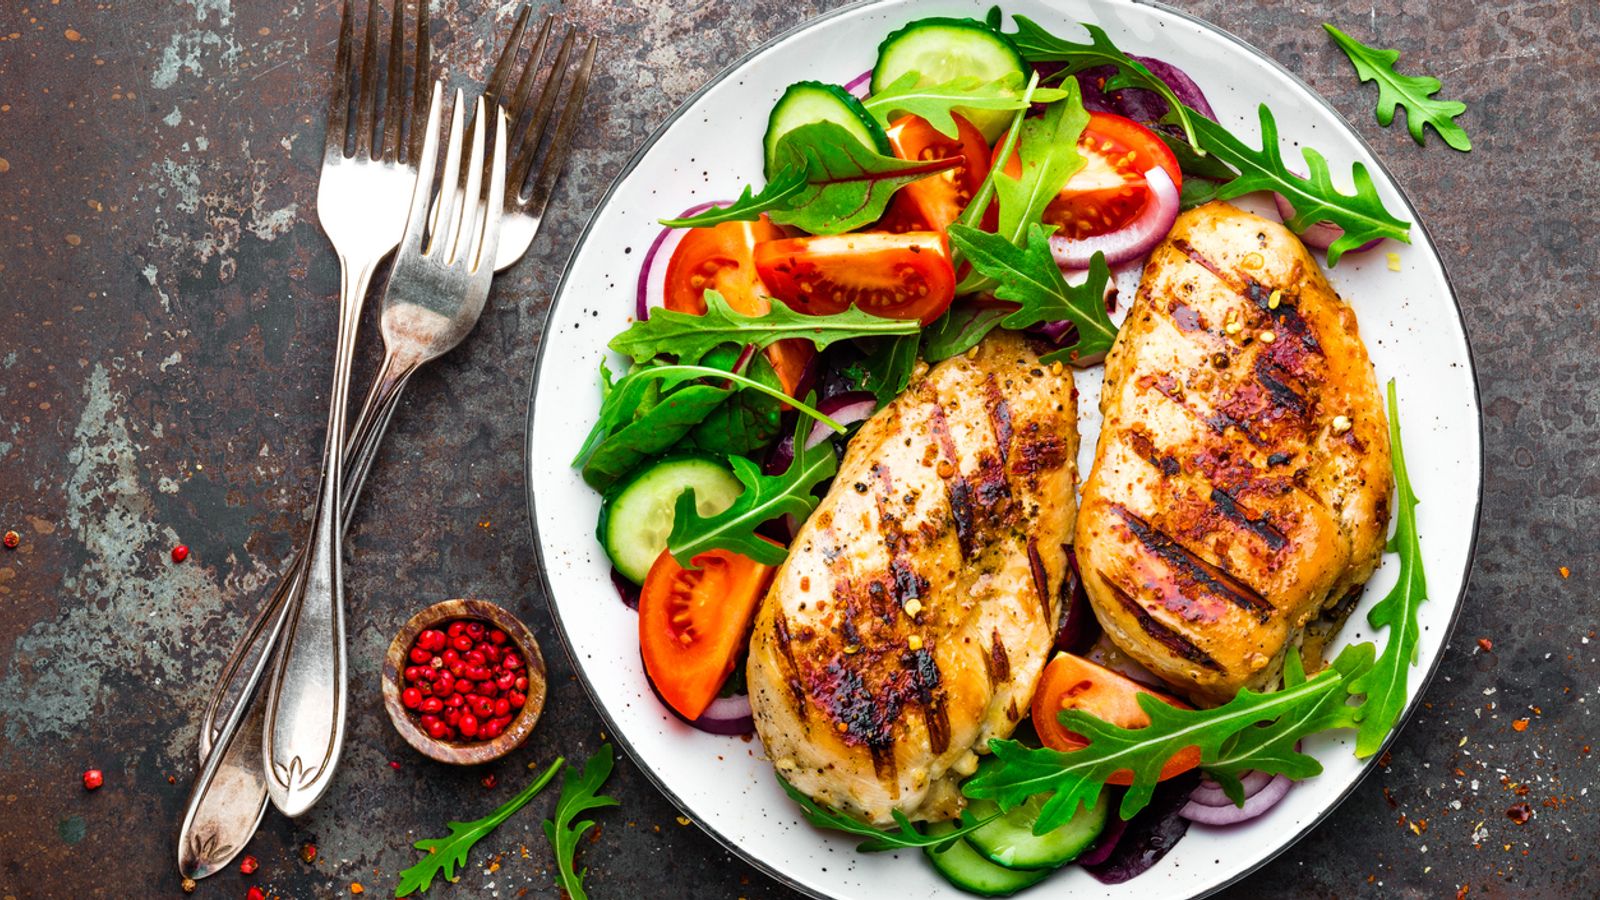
165,325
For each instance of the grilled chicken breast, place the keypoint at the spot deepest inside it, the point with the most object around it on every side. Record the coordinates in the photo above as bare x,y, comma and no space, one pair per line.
920,600
1241,482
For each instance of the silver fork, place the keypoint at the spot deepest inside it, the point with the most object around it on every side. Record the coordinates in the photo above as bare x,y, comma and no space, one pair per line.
527,117
230,794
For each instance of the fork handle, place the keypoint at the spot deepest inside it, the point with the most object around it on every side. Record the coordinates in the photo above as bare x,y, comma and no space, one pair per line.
306,696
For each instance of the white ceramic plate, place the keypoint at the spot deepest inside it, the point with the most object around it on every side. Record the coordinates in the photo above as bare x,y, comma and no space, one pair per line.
709,150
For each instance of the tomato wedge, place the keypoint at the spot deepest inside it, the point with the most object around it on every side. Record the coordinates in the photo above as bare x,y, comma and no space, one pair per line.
1109,192
897,276
693,624
1072,682
932,203
719,258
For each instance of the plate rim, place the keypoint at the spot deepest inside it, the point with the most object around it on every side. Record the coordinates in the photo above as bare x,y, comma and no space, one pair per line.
638,156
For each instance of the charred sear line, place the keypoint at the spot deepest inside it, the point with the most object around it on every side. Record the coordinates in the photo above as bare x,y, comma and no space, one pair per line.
1146,449
999,417
924,687
960,493
1200,259
999,661
1161,634
1228,505
1220,421
1041,579
1197,570
780,633
1283,395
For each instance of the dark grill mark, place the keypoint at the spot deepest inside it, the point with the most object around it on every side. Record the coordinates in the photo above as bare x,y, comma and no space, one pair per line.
1185,561
780,632
1187,249
1041,580
907,584
884,767
1161,634
956,485
1220,421
999,417
999,660
1146,448
925,679
1282,394
1229,507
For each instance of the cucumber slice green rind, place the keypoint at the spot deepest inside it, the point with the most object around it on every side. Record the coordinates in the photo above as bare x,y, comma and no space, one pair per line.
813,101
636,518
965,868
943,49
1009,841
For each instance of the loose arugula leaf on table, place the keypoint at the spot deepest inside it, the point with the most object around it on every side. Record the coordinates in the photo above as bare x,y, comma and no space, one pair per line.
690,337
578,796
765,497
847,184
1414,92
751,204
1385,685
905,837
446,854
652,407
935,102
1076,778
1039,45
959,330
888,368
1028,276
1315,199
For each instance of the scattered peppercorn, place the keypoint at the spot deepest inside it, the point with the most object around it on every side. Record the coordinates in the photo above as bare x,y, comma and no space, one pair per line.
1565,572
180,553
1485,644
1519,813
308,852
394,765
248,865
188,885
93,779
12,539
255,893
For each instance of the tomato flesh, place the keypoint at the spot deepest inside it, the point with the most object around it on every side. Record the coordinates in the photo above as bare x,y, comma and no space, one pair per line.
693,624
932,203
1072,682
720,258
1110,191
897,276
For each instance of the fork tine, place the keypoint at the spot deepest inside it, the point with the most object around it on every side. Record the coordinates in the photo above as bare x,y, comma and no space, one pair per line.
419,83
339,106
422,192
556,157
508,57
517,109
541,117
365,110
394,105
489,236
439,231
465,225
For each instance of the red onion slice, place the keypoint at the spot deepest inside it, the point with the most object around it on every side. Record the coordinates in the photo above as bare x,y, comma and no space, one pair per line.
653,280
859,85
1210,793
1321,235
727,716
1132,240
1262,801
846,409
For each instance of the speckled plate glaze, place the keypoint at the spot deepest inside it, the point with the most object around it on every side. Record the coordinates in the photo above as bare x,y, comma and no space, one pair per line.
708,151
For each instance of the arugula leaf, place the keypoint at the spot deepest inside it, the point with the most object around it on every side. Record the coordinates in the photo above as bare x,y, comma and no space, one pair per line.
690,337
959,330
1038,45
747,421
1029,276
1385,685
776,195
847,184
889,368
935,102
1048,151
1414,92
578,796
1076,777
979,205
906,837
765,497
640,418
445,854
1315,199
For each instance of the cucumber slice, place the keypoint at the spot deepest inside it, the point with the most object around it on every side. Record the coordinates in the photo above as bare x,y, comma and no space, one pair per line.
637,517
965,868
1009,840
812,101
941,50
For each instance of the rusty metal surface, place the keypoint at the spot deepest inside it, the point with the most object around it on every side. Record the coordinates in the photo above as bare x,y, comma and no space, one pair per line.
166,309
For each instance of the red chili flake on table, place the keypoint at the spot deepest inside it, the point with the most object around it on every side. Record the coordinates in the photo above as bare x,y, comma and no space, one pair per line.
93,779
489,781
1519,725
308,852
248,865
1519,813
180,553
1485,644
254,893
12,539
465,681
394,765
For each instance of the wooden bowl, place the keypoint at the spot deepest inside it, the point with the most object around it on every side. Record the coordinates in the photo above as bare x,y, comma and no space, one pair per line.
474,752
